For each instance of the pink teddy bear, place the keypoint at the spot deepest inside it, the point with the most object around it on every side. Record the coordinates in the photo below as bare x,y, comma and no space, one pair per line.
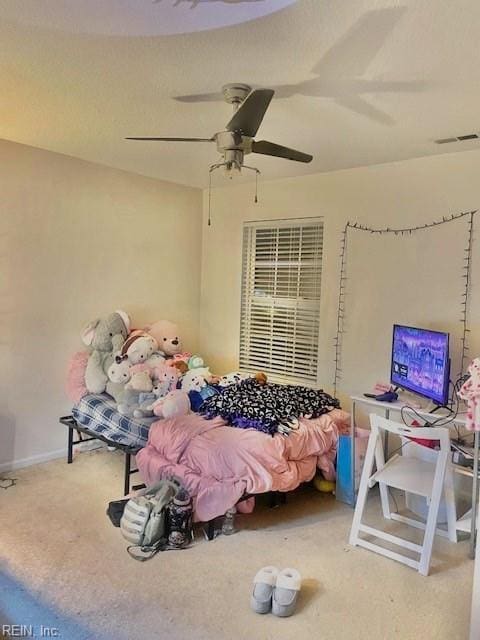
470,392
175,403
165,378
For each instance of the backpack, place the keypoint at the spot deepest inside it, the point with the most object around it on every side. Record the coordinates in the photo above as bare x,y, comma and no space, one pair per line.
144,522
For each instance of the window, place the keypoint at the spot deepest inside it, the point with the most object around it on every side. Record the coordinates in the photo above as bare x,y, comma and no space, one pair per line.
282,268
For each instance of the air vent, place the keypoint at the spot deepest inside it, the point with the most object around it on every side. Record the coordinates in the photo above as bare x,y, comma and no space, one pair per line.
469,136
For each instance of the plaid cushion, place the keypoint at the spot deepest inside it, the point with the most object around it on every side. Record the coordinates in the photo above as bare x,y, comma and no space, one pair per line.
98,412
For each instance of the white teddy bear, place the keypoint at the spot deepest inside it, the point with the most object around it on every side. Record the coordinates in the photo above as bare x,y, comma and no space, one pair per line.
196,379
139,347
118,376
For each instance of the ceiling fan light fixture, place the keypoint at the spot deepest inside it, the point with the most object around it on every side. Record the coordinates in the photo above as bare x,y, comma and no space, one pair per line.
232,170
233,161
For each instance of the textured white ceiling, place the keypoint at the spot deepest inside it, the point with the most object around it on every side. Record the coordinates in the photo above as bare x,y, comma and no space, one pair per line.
138,17
357,81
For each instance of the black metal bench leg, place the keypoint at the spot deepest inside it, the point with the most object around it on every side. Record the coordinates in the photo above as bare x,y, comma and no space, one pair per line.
211,529
273,499
70,445
276,498
126,483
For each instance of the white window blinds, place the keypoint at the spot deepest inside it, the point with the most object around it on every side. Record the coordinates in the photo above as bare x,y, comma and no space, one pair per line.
282,268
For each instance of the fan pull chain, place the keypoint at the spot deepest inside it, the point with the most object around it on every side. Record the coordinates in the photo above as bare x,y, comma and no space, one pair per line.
209,197
213,167
257,173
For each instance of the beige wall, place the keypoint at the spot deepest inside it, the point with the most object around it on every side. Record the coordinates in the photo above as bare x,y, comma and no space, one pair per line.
79,240
411,280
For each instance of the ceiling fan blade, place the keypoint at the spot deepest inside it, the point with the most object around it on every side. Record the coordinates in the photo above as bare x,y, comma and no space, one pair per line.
249,115
272,149
201,97
352,54
359,105
175,139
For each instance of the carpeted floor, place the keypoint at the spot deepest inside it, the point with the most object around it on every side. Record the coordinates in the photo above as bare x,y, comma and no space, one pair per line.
63,565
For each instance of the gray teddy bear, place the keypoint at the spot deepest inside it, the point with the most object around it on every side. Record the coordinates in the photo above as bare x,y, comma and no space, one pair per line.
104,337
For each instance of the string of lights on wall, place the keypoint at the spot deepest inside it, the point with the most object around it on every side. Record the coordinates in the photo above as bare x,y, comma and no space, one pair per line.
468,216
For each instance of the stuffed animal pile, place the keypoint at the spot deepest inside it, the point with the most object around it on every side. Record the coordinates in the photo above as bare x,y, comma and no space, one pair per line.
145,371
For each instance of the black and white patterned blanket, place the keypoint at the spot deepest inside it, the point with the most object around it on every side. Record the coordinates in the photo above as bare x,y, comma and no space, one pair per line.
266,407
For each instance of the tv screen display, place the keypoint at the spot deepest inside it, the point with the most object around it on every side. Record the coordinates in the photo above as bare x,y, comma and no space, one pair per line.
420,362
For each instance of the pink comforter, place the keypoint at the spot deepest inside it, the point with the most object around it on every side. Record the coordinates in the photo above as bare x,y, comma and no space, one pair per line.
218,463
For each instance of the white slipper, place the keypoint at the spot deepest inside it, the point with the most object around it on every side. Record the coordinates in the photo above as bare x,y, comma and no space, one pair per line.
285,594
263,585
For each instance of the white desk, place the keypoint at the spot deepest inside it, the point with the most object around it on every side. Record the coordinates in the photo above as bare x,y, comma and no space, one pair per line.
396,407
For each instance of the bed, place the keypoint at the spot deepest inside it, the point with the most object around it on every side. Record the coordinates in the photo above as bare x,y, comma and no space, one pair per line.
220,465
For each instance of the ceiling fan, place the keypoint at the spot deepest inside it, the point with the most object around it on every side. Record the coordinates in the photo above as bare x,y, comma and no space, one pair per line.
236,140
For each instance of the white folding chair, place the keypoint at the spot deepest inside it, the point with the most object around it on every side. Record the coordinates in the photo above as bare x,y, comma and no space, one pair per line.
410,474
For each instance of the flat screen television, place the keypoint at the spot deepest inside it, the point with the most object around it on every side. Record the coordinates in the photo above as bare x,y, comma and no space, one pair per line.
420,362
